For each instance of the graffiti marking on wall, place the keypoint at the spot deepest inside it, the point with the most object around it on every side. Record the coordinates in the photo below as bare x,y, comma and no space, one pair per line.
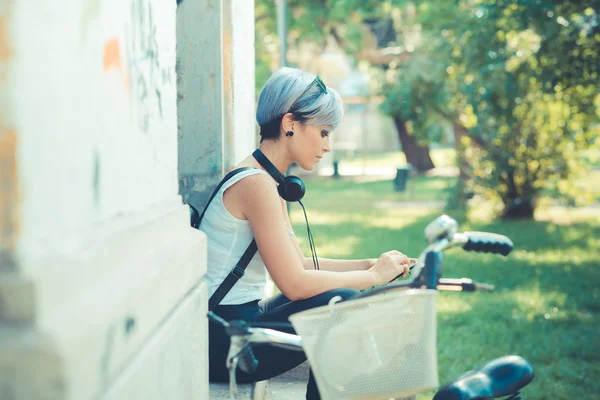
148,76
111,59
112,55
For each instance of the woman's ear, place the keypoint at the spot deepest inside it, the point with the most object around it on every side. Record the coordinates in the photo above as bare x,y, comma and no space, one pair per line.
287,122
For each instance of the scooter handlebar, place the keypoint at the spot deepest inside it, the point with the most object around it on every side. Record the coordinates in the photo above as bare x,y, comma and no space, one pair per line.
484,242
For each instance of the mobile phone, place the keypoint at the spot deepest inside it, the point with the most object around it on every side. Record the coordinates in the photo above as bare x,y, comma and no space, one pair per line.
412,264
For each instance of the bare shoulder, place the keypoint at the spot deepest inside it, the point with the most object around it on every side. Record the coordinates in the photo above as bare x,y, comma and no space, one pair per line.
256,184
255,194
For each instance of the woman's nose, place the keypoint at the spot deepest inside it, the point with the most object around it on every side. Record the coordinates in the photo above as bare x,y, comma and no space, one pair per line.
326,146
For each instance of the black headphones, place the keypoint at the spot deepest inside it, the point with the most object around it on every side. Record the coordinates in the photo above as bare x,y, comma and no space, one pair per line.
291,188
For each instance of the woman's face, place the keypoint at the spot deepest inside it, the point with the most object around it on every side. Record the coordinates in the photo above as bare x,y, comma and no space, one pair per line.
310,144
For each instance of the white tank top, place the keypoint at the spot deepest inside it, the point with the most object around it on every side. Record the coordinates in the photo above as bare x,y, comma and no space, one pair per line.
228,238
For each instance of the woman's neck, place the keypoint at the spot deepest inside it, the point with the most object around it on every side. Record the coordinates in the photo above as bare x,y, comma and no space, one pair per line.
276,153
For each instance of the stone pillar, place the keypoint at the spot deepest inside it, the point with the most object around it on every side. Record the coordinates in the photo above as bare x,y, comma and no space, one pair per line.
200,99
238,71
100,290
216,96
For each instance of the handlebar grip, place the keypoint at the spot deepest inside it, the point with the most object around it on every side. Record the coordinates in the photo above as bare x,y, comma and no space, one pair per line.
485,242
463,285
247,362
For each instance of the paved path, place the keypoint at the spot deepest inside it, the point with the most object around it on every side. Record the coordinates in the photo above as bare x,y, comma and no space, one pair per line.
383,172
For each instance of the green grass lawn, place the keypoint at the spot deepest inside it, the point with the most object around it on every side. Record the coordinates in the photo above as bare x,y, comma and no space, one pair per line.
586,187
441,158
546,306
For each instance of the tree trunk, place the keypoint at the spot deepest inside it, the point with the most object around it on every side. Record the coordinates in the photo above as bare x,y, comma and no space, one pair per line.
516,205
416,155
462,192
519,209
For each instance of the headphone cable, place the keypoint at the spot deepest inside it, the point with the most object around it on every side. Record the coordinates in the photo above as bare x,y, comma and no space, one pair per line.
311,241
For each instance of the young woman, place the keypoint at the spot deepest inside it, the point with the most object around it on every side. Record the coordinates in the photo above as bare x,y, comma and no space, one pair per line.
297,114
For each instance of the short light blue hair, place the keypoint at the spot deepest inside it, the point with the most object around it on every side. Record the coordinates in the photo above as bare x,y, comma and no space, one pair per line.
284,93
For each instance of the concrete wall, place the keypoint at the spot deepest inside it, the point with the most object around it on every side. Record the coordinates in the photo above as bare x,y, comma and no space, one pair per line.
92,84
238,56
100,275
216,105
200,98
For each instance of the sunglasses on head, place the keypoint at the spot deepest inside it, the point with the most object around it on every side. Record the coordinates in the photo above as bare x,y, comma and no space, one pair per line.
317,81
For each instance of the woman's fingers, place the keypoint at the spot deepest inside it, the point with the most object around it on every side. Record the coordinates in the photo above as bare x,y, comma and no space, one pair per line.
402,259
395,261
406,270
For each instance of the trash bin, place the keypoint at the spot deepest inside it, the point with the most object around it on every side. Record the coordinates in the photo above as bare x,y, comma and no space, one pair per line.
336,170
402,177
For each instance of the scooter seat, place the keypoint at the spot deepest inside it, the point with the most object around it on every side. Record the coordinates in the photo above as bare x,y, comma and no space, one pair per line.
498,378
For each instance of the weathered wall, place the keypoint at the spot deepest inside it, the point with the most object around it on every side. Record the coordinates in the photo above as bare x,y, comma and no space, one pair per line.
238,56
200,99
93,88
98,263
215,92
9,182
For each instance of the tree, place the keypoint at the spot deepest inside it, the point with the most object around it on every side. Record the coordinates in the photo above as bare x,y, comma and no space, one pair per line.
419,93
519,81
344,21
413,96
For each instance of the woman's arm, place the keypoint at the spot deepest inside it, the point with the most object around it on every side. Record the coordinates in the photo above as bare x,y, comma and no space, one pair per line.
262,208
334,265
327,264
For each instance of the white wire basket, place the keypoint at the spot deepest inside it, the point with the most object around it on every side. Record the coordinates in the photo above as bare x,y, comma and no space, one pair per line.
378,347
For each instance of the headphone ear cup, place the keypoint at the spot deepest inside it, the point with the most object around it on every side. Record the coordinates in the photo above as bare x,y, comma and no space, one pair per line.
291,189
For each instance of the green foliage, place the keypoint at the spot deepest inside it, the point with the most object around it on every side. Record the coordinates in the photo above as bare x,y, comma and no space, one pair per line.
521,77
416,93
311,21
264,41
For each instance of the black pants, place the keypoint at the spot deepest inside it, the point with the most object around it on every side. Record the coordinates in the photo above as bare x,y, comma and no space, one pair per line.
273,361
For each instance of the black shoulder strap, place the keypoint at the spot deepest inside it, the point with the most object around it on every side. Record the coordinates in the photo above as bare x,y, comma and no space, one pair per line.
238,271
196,218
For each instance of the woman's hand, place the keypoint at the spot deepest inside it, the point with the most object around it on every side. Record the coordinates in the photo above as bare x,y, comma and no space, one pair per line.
389,266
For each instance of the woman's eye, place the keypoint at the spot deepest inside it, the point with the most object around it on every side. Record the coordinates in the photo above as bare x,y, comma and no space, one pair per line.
324,133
